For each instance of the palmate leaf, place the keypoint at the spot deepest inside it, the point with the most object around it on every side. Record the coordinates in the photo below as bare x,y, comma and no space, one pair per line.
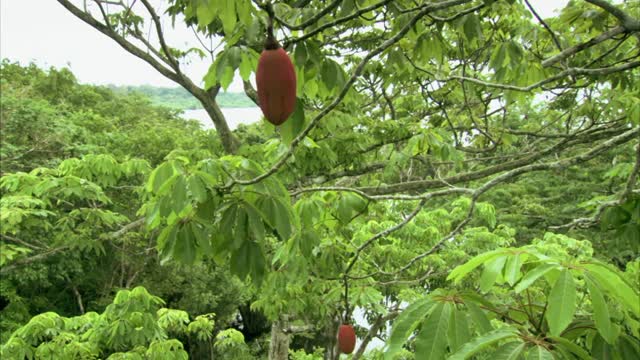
405,324
431,341
562,303
482,342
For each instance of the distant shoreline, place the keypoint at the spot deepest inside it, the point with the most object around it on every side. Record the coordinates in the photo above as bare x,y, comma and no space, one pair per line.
180,99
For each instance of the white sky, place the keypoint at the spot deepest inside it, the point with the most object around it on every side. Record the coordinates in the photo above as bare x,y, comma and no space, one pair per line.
44,32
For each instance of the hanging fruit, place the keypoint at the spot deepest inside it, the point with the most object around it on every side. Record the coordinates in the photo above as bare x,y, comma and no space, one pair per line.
346,339
276,80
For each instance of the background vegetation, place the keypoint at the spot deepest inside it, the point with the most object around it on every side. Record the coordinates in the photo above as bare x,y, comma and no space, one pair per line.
179,98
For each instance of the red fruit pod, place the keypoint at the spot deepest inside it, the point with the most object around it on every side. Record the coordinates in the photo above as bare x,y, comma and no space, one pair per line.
346,339
276,80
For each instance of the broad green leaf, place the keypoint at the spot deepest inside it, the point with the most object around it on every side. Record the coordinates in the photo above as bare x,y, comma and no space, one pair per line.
185,249
533,275
600,311
241,260
615,286
277,215
206,13
197,189
479,318
482,342
561,303
227,14
509,351
243,8
601,350
349,205
492,270
571,347
240,228
629,347
458,329
512,269
159,176
461,271
539,353
405,324
330,74
472,28
431,341
294,125
246,67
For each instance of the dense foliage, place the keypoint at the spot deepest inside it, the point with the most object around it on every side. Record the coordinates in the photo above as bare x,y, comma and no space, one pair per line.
462,173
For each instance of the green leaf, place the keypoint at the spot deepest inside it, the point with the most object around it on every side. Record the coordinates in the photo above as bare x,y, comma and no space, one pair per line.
601,350
243,8
246,67
482,342
329,74
241,260
184,249
256,226
491,271
159,176
431,341
461,271
615,286
472,28
539,353
512,269
571,347
600,311
458,329
533,275
509,351
227,14
479,318
349,205
294,125
561,303
277,215
197,189
205,13
405,324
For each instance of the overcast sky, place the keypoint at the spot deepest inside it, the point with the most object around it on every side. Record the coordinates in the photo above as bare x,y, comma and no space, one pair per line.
44,32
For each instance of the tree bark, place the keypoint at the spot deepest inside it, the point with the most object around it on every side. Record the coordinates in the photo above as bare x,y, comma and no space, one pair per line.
279,347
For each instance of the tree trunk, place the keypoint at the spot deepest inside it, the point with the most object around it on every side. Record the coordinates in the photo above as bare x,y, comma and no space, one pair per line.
279,347
229,142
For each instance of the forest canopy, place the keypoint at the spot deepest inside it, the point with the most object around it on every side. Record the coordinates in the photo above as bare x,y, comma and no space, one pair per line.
458,180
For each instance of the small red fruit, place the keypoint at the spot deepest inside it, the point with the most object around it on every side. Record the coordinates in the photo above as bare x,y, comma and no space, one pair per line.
276,80
346,339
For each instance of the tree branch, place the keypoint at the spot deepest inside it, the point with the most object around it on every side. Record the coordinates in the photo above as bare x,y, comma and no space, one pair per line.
343,92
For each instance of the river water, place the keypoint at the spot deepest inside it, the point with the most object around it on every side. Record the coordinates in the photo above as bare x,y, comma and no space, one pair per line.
234,116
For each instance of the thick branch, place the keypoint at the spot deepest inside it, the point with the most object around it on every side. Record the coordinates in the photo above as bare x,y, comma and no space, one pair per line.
585,45
229,142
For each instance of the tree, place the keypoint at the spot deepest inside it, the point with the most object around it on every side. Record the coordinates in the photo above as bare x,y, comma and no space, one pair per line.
414,121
